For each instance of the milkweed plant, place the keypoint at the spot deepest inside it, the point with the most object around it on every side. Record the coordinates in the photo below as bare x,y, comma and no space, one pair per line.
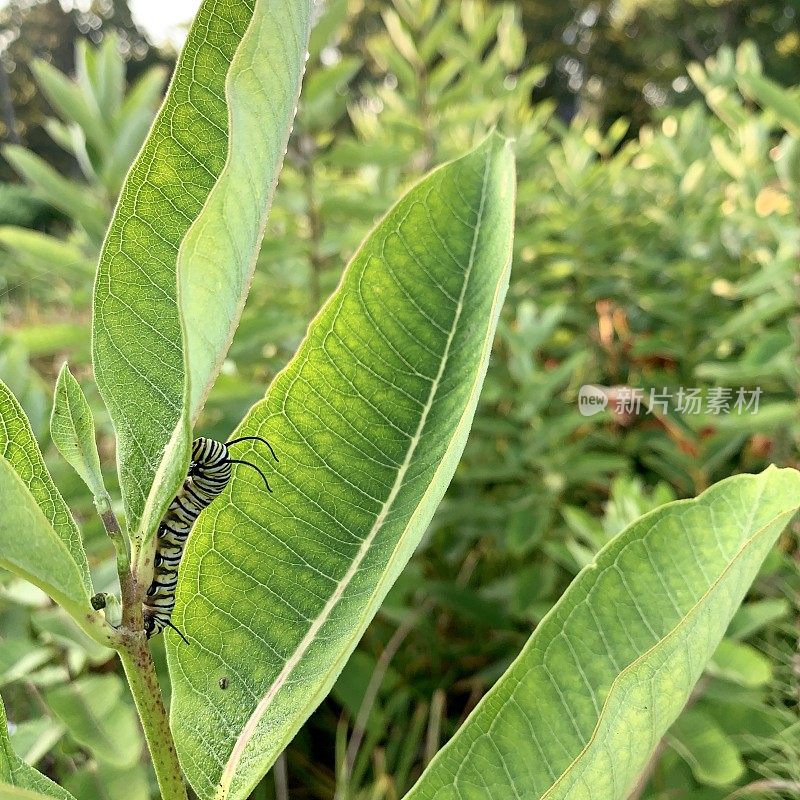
319,496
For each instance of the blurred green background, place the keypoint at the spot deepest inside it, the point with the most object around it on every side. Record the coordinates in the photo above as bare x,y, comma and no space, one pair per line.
656,248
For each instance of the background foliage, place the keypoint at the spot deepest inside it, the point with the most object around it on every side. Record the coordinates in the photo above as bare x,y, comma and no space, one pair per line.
657,236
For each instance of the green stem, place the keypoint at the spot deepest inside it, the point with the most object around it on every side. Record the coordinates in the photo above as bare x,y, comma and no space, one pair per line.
131,644
111,524
141,674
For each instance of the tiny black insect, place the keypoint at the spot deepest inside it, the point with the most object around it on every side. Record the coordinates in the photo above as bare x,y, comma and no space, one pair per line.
209,473
223,683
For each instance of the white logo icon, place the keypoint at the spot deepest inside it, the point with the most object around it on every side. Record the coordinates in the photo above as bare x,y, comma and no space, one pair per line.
591,399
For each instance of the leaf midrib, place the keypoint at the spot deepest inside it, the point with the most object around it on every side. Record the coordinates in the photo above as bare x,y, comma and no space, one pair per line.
310,636
682,623
671,634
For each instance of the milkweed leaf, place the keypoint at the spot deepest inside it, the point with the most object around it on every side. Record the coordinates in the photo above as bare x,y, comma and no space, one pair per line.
72,431
606,673
19,448
369,420
189,224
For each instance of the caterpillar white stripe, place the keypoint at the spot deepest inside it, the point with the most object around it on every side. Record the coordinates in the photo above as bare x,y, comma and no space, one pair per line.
209,473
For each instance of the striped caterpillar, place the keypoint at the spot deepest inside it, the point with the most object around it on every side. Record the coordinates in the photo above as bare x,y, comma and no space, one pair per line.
209,473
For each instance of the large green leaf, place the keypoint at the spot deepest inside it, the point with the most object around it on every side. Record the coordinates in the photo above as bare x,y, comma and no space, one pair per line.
19,448
369,421
193,205
17,777
30,547
219,252
132,124
8,791
609,669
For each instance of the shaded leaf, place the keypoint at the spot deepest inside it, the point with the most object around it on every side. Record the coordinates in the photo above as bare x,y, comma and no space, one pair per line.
19,448
33,738
18,780
30,547
54,623
751,617
19,657
10,792
100,781
740,663
709,751
97,716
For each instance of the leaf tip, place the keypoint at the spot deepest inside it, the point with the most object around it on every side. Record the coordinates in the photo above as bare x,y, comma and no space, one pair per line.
62,374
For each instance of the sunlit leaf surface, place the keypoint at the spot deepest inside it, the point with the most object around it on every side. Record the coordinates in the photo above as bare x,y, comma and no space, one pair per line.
610,668
369,421
194,205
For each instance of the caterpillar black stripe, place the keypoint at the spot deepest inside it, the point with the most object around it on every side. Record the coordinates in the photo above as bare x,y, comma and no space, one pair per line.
209,473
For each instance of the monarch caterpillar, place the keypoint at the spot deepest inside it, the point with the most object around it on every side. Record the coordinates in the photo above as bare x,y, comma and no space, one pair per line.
209,473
